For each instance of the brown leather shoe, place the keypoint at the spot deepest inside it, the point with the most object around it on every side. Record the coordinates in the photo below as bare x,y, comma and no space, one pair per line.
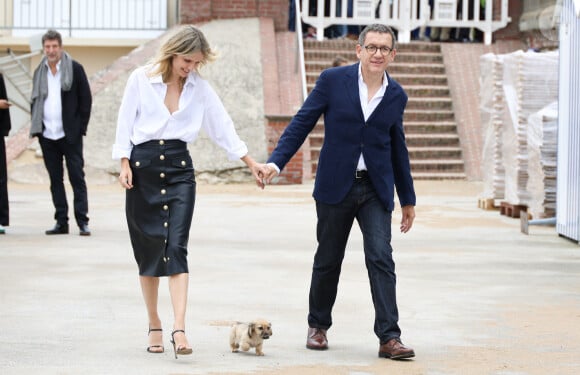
316,339
394,349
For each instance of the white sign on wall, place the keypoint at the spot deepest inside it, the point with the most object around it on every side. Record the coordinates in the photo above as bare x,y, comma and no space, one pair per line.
445,9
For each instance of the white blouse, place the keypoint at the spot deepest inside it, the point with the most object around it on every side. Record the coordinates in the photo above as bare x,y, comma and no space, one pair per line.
143,115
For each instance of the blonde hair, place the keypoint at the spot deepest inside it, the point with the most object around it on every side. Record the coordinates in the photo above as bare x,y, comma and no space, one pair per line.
184,40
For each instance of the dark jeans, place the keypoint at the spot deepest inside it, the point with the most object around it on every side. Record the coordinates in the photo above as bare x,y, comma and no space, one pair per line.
53,153
292,15
4,212
334,225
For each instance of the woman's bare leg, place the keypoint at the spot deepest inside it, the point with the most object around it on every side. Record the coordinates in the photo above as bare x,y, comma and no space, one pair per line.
178,286
150,289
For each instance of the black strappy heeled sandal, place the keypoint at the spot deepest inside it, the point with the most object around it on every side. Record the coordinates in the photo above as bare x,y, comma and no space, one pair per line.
179,350
155,346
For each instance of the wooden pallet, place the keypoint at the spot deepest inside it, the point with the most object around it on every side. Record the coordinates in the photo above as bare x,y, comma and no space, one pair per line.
512,210
487,204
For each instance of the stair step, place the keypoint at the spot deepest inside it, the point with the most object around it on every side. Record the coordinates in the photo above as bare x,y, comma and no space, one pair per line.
441,152
437,165
422,127
343,44
412,114
438,175
418,47
420,79
427,91
429,103
317,66
426,58
416,68
432,140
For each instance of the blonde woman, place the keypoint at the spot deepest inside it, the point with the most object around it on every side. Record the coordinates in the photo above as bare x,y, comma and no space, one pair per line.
165,105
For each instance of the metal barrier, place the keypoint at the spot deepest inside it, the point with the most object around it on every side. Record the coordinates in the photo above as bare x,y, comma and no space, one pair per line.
300,57
568,192
406,15
88,18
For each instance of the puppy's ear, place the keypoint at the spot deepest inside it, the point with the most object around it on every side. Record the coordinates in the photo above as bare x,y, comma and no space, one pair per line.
251,329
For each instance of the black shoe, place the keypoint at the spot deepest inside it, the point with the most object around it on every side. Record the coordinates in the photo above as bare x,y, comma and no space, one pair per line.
58,229
84,230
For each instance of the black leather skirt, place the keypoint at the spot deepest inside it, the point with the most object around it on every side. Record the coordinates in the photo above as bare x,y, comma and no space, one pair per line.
159,207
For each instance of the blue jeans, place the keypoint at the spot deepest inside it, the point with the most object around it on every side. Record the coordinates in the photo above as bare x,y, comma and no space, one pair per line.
334,225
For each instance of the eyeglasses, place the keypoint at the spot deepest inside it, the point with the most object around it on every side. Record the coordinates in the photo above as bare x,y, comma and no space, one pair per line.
373,49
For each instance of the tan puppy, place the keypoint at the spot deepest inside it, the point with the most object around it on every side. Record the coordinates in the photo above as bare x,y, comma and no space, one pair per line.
250,335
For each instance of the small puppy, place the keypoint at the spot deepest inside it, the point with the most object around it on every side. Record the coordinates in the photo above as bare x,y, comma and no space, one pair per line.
250,335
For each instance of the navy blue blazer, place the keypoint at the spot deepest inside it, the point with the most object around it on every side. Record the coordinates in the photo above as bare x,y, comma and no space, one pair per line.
381,139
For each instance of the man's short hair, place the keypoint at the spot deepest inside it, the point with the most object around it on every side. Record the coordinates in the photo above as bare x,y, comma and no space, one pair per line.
378,28
52,35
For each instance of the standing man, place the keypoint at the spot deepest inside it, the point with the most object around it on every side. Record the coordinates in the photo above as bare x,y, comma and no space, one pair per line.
61,108
364,156
4,130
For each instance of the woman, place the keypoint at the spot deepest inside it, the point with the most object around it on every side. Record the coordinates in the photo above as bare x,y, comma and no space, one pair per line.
4,130
164,106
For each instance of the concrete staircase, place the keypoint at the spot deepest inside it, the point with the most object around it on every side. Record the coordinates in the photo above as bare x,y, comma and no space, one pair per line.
429,121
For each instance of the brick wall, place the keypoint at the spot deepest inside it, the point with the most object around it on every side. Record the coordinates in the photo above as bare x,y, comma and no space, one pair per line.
293,171
512,30
194,11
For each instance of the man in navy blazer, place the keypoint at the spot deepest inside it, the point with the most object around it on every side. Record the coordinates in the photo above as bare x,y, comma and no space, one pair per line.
363,158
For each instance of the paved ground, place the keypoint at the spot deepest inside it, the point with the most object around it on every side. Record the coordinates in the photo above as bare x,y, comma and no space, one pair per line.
475,295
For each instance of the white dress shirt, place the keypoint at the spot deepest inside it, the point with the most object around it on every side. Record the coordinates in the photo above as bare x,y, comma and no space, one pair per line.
52,111
143,115
368,106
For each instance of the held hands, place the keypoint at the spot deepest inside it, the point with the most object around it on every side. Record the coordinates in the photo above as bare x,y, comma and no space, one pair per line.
258,171
269,174
263,173
407,219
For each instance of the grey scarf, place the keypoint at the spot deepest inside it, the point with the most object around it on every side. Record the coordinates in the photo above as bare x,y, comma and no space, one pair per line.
40,89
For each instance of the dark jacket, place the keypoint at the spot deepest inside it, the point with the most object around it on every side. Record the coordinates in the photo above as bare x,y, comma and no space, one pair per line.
381,139
76,105
4,113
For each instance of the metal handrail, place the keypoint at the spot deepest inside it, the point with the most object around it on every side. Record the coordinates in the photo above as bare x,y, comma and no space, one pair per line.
18,75
300,42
